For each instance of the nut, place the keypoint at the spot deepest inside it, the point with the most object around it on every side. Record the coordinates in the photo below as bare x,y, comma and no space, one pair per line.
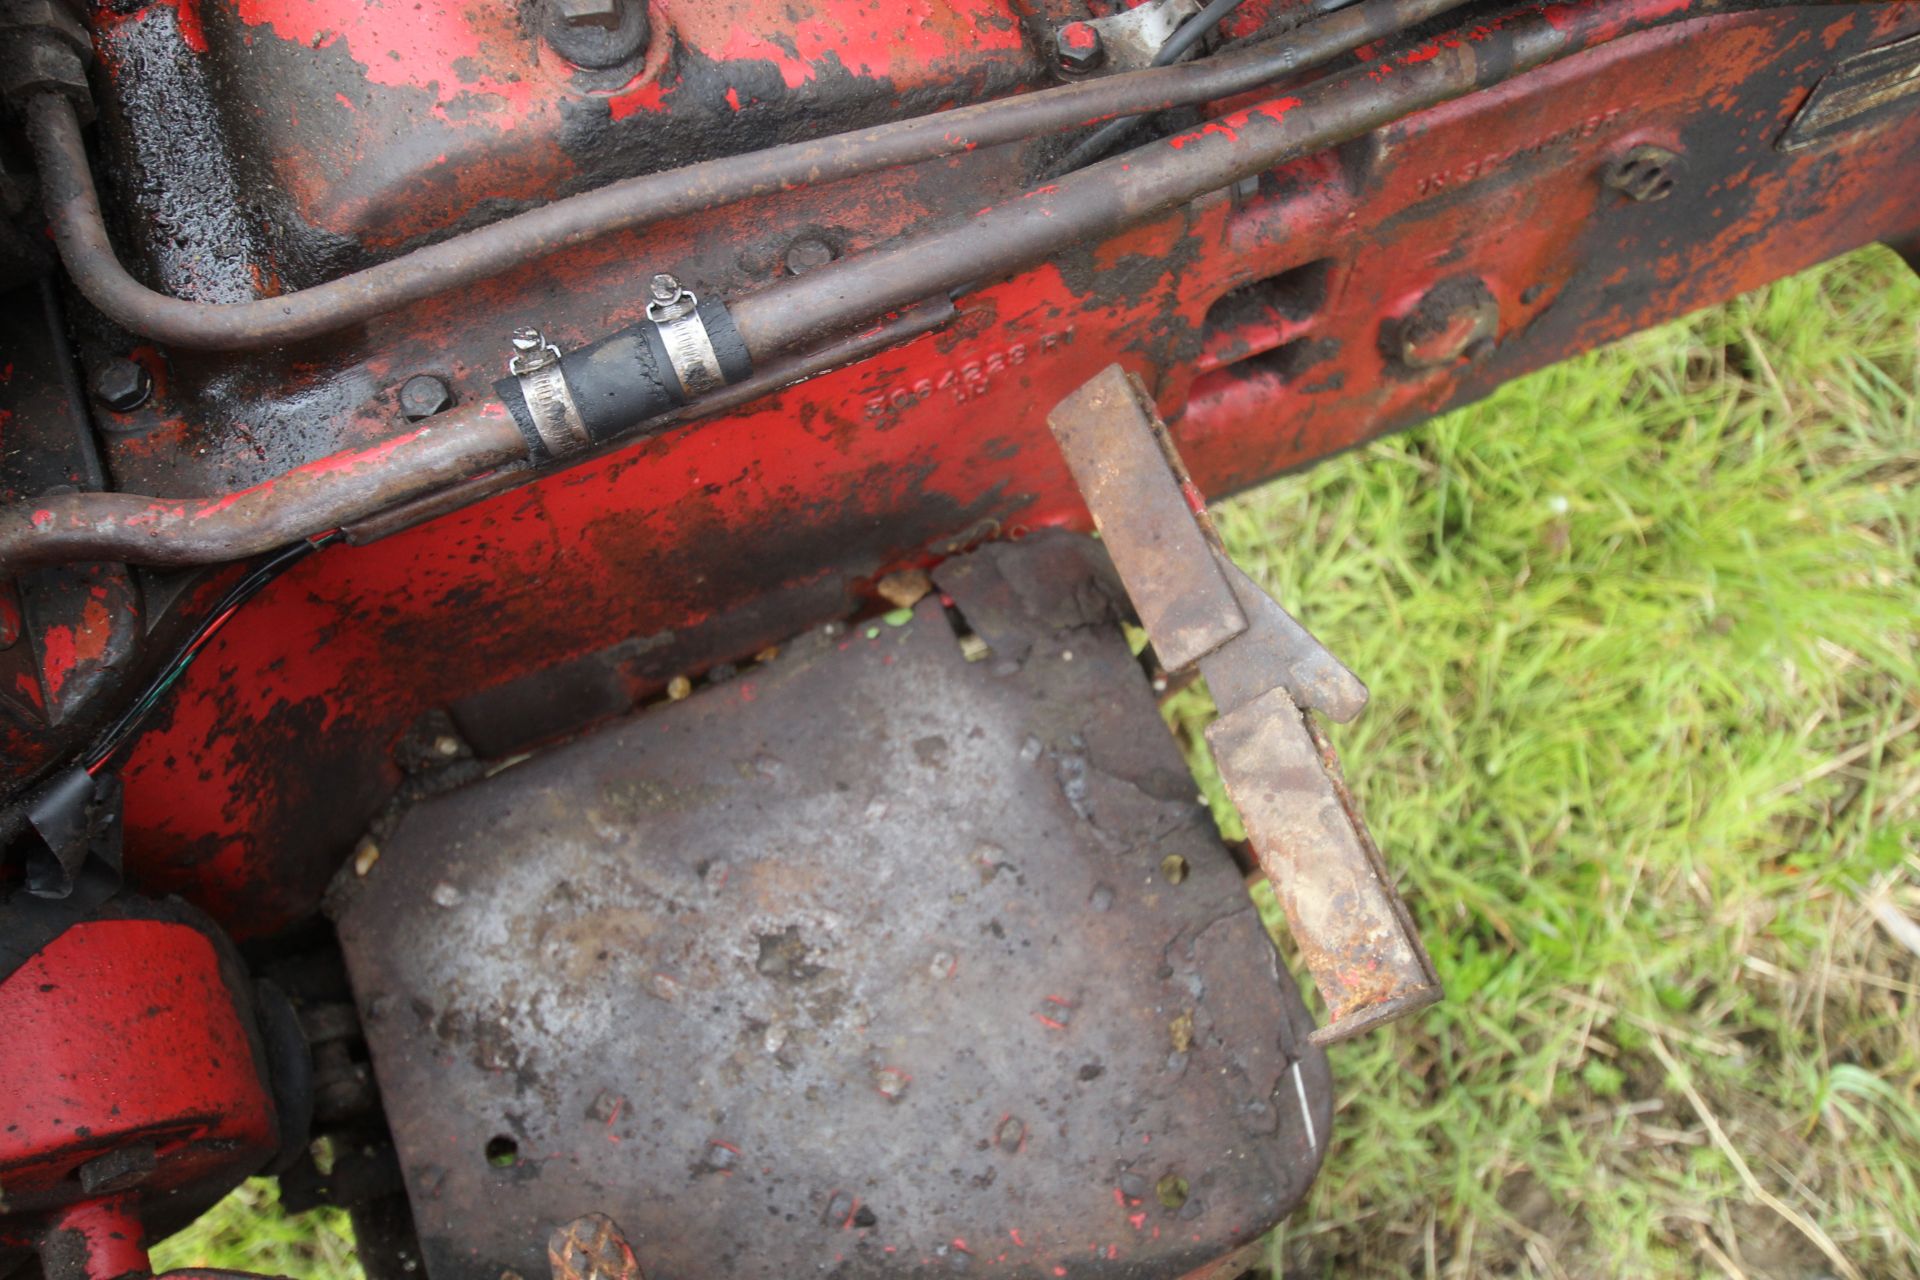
424,395
122,385
1079,48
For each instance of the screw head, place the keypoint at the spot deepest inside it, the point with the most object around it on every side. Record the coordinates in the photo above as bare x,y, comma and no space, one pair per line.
1078,47
424,395
664,288
807,254
526,340
122,385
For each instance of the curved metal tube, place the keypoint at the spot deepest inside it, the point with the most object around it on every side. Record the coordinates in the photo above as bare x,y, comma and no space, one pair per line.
73,205
806,310
306,500
1091,203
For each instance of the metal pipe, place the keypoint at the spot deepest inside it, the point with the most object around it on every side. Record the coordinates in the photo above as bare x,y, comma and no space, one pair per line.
814,308
73,205
908,325
1089,204
306,500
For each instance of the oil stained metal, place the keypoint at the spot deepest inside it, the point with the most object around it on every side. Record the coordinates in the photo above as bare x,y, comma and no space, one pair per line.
861,963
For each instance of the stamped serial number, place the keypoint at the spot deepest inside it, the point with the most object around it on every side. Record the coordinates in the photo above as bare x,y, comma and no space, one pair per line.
968,380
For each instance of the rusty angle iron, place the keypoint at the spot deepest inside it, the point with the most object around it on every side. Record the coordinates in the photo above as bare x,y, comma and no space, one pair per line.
1265,672
871,960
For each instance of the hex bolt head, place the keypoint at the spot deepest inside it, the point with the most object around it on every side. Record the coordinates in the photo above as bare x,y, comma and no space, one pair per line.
808,254
663,288
424,395
1078,47
118,1170
1645,173
122,385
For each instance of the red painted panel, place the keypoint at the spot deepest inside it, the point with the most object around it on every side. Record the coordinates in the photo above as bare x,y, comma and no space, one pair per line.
260,775
122,1031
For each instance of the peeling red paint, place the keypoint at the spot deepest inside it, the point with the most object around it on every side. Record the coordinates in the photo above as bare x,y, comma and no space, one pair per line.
662,533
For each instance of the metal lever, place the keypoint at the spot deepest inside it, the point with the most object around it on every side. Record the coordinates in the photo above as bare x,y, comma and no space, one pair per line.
1265,671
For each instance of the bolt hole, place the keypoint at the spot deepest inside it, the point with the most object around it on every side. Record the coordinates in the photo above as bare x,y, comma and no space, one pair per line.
1174,868
502,1152
1172,1190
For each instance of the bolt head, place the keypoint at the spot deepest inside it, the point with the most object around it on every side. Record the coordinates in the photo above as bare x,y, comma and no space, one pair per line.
807,255
1078,47
664,288
604,14
528,340
424,395
122,385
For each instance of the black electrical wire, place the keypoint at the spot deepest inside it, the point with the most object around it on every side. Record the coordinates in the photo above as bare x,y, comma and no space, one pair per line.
117,734
1114,132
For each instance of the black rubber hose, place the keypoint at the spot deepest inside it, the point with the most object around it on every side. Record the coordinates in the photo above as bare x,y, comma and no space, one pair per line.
1114,132
73,205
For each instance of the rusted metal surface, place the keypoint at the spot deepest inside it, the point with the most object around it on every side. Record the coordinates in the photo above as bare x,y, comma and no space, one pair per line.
1860,91
1094,202
1112,443
775,991
839,296
1276,649
591,1247
256,780
68,635
1353,931
74,209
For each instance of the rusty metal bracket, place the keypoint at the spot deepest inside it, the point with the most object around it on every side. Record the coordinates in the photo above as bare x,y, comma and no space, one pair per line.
1265,671
591,1247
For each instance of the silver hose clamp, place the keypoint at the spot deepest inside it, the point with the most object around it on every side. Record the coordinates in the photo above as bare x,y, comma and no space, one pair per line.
536,362
675,313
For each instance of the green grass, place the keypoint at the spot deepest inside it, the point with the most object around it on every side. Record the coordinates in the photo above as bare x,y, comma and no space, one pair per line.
1641,633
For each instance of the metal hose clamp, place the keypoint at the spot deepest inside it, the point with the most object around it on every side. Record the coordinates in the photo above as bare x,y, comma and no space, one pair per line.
536,362
675,312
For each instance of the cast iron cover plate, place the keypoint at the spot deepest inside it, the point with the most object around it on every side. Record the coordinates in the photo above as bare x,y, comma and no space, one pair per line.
870,961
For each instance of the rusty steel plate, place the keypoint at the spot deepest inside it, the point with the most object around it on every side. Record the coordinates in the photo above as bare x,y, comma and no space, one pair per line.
1148,512
870,961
